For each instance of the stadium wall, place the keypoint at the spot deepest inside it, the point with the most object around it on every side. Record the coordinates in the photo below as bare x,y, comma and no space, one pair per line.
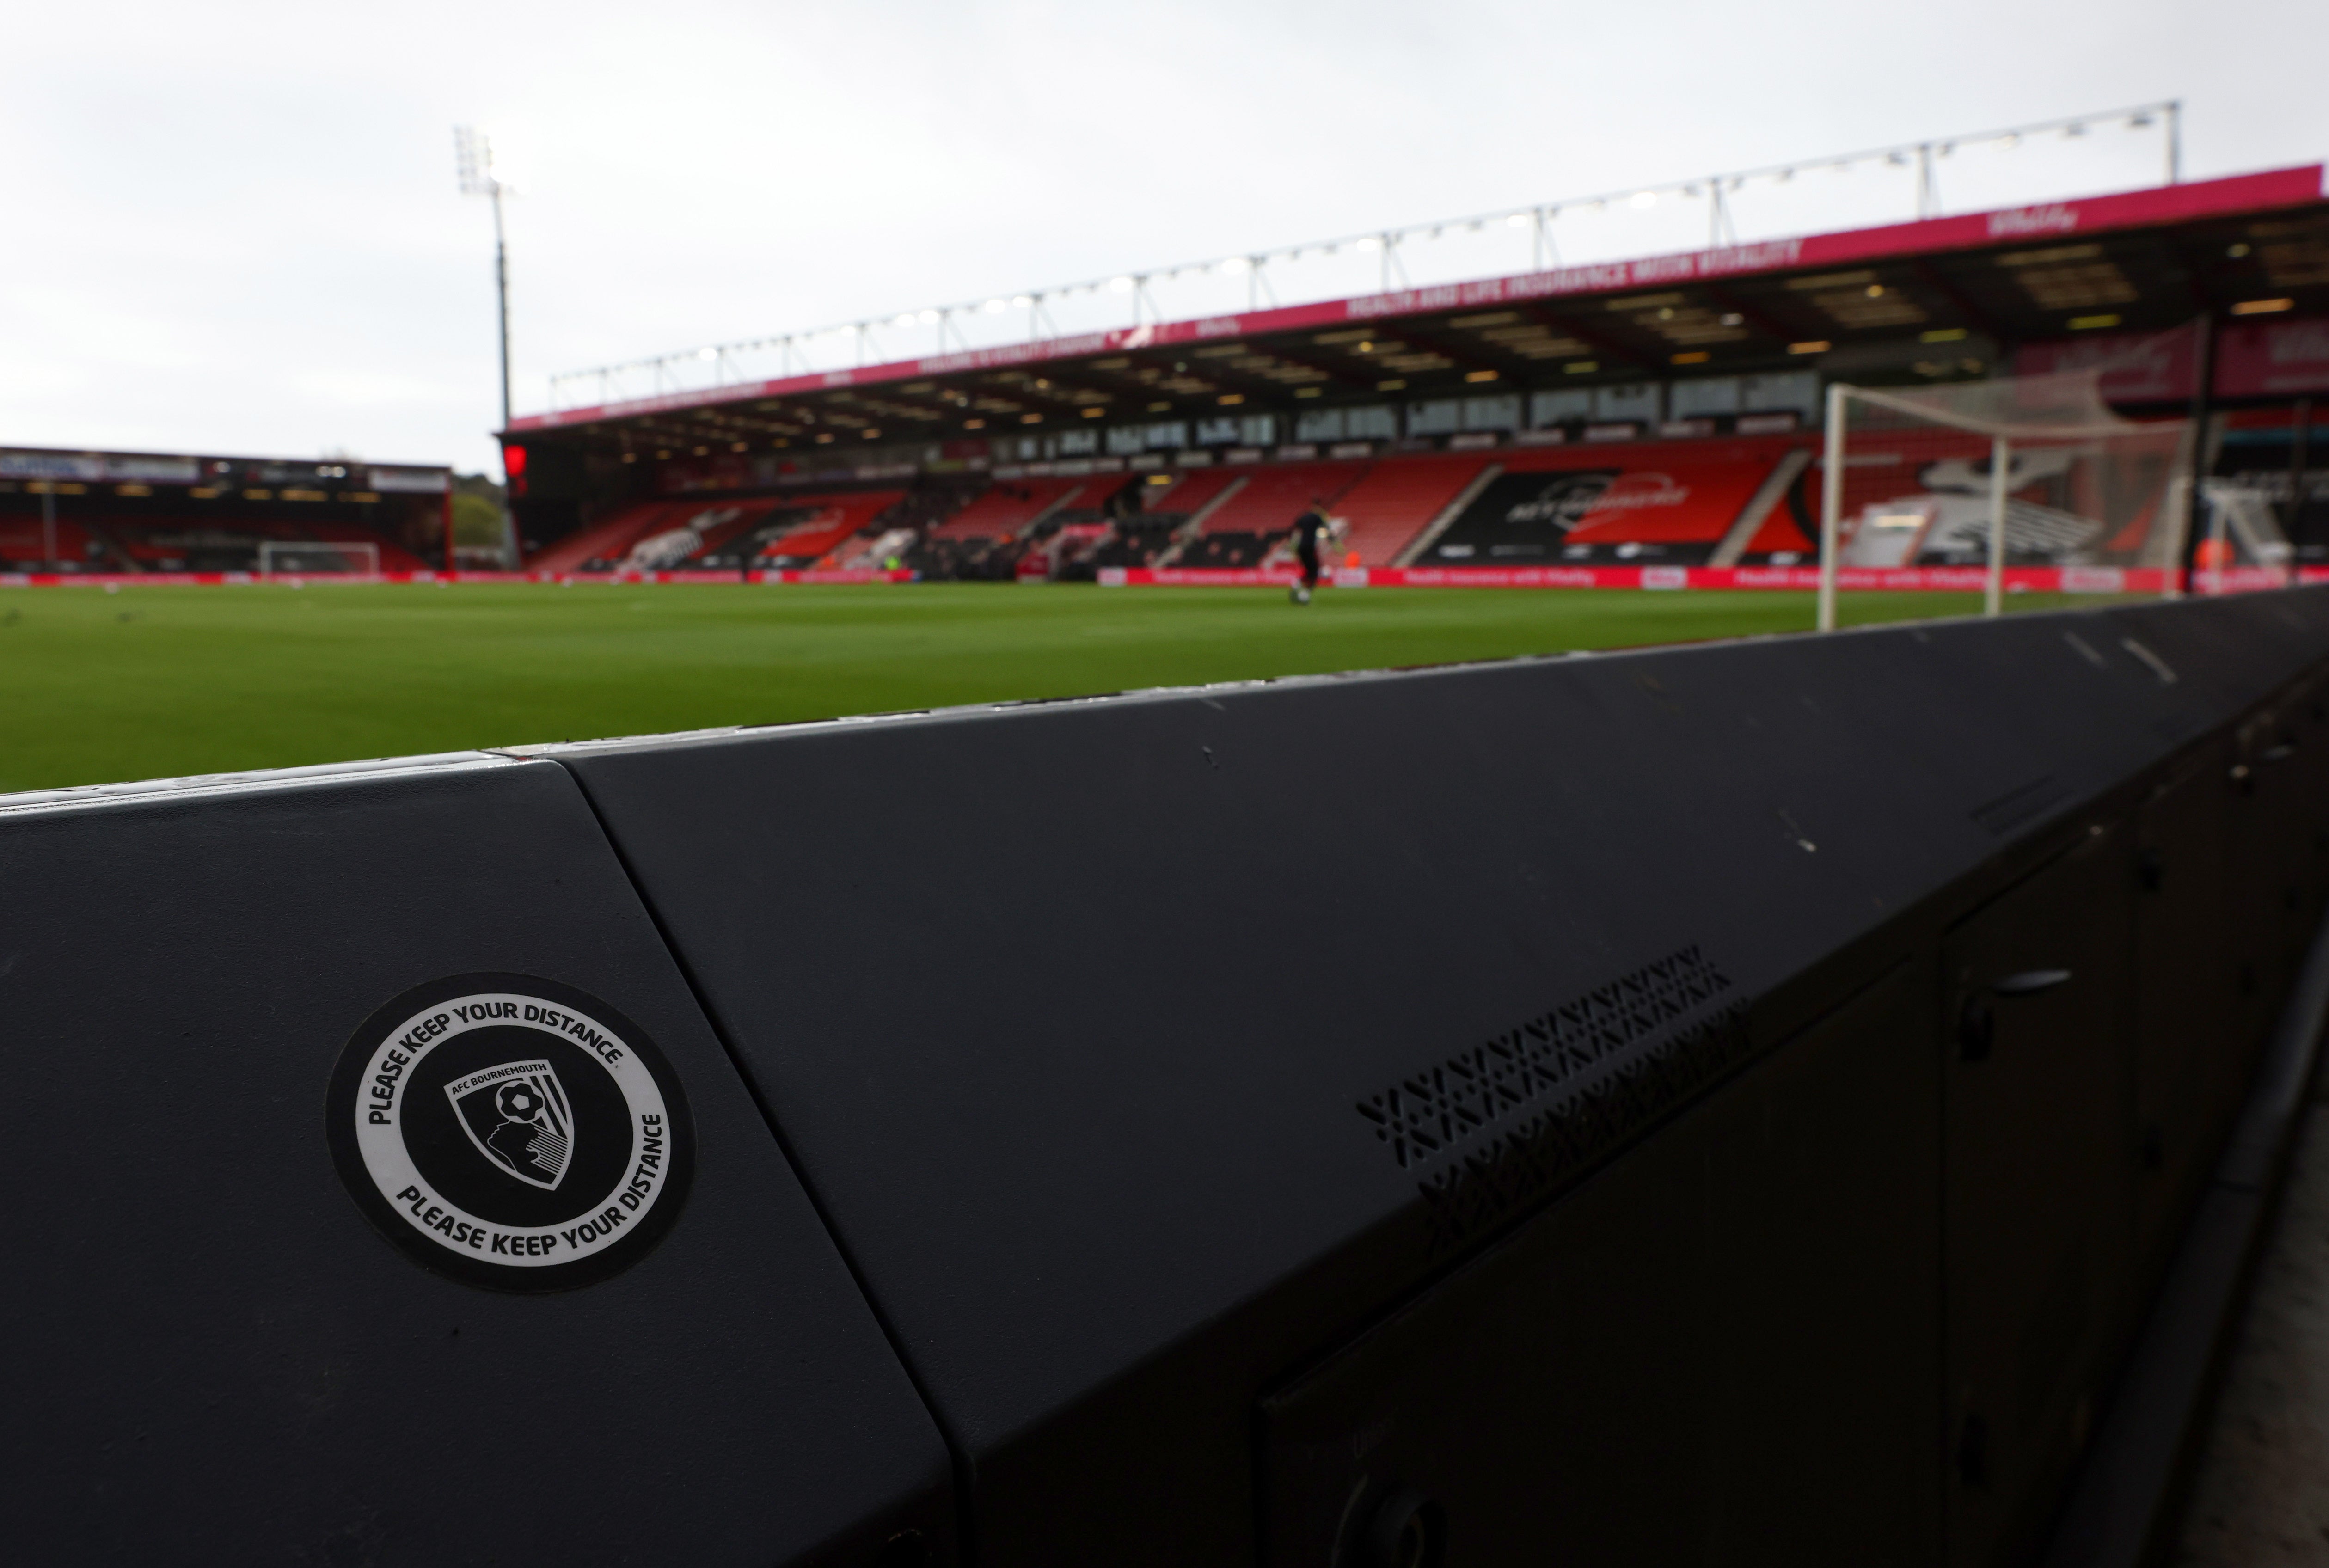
1722,1104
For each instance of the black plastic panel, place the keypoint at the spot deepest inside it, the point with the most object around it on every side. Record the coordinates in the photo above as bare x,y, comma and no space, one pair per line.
1691,1359
1106,1034
211,1352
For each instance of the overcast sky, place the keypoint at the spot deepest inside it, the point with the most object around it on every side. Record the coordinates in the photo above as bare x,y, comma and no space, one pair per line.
234,227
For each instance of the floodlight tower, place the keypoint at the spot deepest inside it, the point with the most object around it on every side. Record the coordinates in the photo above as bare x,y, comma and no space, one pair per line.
475,154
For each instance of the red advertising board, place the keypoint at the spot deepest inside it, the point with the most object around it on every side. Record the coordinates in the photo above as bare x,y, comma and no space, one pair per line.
2138,367
2277,358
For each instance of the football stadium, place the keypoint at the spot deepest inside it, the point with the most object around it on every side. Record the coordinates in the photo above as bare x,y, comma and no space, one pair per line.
1664,911
1660,424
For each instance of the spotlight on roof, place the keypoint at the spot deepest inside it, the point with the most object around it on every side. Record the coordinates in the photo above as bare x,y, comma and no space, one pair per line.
1643,199
1120,285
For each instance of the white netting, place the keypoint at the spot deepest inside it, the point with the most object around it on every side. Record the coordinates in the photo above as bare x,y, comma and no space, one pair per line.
2066,405
318,558
2083,486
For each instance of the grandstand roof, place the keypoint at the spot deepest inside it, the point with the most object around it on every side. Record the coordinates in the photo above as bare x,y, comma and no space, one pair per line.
205,474
2131,261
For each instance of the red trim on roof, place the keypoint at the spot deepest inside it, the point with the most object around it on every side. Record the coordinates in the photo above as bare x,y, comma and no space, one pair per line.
2235,194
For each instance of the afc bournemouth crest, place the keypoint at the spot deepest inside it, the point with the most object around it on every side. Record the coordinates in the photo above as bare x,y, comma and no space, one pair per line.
511,1132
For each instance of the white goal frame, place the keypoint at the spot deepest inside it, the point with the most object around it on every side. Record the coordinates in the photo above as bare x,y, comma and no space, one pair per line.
1840,396
268,549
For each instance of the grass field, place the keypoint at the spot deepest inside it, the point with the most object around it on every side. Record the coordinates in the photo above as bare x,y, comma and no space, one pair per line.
155,681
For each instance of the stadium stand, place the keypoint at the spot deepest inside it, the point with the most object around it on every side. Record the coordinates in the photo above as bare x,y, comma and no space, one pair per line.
609,540
1252,514
1660,502
94,512
886,539
719,533
1274,495
21,545
1190,492
678,534
1640,368
1141,539
1006,507
161,540
1397,499
801,532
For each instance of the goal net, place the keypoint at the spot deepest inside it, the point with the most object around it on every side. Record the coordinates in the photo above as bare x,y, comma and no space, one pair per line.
1950,487
318,558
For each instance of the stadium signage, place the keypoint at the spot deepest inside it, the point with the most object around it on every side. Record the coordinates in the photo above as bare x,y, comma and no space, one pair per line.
2274,358
51,465
2058,218
511,1132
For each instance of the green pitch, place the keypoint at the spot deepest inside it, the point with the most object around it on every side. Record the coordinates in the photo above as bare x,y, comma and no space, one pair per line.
157,682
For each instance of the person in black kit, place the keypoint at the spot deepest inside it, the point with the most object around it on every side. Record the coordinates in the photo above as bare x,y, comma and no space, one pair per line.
1307,530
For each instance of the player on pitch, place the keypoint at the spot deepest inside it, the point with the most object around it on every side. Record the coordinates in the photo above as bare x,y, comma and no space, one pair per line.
1306,531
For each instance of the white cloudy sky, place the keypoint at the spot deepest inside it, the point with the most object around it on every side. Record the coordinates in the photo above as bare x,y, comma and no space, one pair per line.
233,227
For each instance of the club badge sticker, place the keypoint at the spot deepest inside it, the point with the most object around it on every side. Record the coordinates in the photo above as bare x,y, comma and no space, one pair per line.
511,1132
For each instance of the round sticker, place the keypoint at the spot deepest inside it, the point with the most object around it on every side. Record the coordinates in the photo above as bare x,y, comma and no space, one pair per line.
511,1132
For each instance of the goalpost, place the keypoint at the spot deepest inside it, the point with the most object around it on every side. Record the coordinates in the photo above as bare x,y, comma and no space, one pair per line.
2026,470
318,558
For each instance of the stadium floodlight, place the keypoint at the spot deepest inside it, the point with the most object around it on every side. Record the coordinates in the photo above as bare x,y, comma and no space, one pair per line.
474,154
1644,199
